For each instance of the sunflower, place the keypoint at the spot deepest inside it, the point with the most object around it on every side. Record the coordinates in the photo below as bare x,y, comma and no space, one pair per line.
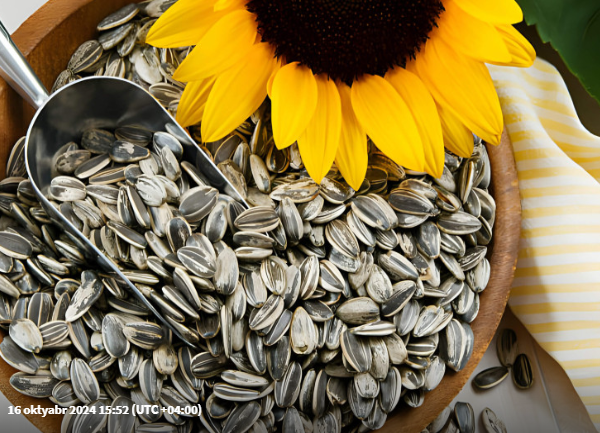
410,75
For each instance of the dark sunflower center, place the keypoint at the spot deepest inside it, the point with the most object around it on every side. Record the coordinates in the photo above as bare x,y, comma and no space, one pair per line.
346,38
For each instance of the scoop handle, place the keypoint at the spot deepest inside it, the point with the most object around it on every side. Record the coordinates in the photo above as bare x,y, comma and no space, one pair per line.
18,73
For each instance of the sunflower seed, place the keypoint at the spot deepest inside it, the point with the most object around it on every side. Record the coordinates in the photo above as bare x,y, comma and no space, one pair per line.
288,388
291,220
506,347
54,333
396,348
490,377
79,337
69,161
233,393
85,56
114,340
15,246
84,297
85,384
64,395
465,417
458,223
150,381
390,390
128,235
356,351
16,357
65,188
40,308
268,313
472,257
260,219
441,421
522,372
292,423
198,260
196,203
111,38
302,332
257,356
358,311
144,334
361,407
165,359
274,276
125,152
299,191
491,422
26,335
38,386
226,272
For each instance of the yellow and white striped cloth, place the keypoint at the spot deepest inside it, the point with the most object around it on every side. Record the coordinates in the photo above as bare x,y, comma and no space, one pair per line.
556,290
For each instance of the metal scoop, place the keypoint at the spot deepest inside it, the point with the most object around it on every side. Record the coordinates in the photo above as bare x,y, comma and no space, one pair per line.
94,102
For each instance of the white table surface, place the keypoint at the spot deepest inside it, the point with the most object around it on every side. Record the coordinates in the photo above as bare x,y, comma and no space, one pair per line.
550,406
14,13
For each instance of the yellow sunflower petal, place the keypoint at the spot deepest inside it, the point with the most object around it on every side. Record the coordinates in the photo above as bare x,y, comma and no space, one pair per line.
471,36
278,66
193,101
461,85
457,138
386,118
319,142
270,83
424,111
229,4
223,46
238,93
293,102
351,157
183,24
521,51
493,11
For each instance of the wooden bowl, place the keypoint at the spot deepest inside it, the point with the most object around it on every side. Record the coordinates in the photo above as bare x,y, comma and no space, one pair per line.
49,38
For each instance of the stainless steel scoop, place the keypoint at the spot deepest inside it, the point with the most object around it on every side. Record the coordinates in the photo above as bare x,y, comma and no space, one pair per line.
94,102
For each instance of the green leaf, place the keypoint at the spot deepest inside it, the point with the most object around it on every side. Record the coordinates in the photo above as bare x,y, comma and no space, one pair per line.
573,29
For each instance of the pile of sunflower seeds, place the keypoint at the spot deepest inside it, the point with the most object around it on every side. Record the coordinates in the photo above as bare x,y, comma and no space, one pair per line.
462,419
319,309
506,349
120,51
319,291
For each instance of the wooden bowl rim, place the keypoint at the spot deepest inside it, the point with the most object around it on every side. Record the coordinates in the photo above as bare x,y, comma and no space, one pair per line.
503,256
